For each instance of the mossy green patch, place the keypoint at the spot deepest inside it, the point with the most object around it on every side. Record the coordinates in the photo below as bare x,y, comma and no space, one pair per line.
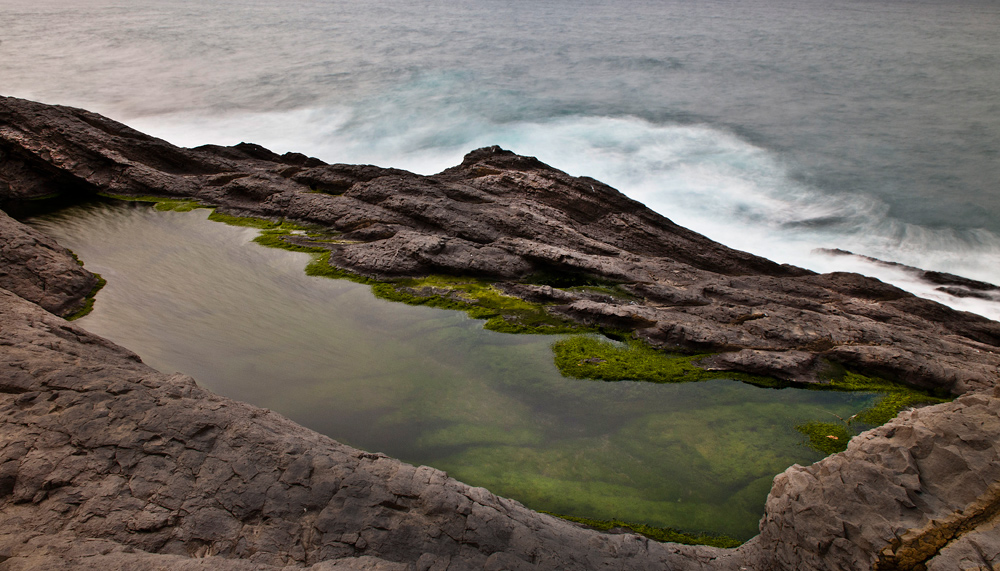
581,356
893,397
276,239
161,203
245,221
890,398
655,533
177,205
591,358
88,302
320,267
827,437
480,299
890,404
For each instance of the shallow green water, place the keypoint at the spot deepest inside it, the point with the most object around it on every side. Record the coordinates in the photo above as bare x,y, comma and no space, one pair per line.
431,386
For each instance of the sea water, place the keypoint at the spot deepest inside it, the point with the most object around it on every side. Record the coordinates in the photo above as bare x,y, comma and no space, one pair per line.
432,386
774,126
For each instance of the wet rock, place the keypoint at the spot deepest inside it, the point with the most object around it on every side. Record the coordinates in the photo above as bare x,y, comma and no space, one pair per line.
794,366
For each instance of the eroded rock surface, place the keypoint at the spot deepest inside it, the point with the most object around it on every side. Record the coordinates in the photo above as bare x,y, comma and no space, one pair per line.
38,269
506,217
922,491
104,461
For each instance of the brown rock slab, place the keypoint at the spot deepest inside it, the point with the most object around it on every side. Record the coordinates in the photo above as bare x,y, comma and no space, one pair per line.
38,269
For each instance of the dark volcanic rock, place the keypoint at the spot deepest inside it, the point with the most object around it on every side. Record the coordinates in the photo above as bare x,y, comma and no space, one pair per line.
506,217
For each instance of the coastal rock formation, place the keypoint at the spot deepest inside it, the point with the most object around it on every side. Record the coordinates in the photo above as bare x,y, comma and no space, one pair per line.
105,462
921,492
507,217
34,267
953,285
99,447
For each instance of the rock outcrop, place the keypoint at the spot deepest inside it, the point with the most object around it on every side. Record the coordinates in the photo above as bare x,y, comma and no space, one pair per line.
97,446
921,492
38,269
508,217
105,462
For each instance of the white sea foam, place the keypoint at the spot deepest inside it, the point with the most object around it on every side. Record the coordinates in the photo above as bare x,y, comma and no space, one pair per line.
702,178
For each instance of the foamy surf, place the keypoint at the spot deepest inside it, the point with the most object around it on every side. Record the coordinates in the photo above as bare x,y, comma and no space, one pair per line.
703,178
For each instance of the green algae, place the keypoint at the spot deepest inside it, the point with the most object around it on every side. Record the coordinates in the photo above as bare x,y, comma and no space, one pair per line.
581,357
585,357
480,299
893,397
665,534
320,266
889,399
276,238
244,221
693,456
668,455
88,301
591,358
163,204
826,437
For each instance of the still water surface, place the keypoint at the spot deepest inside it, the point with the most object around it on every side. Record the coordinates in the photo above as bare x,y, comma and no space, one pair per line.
431,386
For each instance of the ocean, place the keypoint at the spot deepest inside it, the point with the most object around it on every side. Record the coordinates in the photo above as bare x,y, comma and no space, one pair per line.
773,126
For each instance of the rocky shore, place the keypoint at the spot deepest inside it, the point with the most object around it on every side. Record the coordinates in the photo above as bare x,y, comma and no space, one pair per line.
108,462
